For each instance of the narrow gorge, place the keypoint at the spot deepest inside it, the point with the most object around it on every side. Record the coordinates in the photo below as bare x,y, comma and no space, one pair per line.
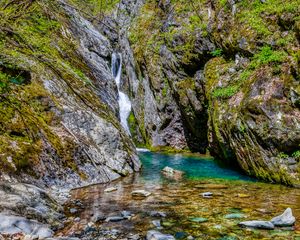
149,119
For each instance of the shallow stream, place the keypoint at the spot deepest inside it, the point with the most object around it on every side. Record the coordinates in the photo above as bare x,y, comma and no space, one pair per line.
235,198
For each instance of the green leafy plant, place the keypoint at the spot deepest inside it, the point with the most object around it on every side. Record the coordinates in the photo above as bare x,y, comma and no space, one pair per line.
217,53
282,155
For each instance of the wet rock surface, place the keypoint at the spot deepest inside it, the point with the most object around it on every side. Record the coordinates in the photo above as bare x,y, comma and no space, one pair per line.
155,235
13,224
257,224
286,219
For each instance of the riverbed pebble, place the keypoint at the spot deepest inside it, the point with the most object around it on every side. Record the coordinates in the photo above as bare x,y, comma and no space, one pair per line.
257,224
207,194
110,189
157,214
140,193
126,214
155,235
73,210
114,219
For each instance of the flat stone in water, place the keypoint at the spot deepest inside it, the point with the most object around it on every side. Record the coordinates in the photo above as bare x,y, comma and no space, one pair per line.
198,219
140,193
114,219
234,216
207,194
155,235
110,189
242,195
257,224
211,186
286,219
173,173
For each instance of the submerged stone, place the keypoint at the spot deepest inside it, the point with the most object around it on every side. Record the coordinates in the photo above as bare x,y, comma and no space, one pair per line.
198,219
140,193
234,216
286,219
211,186
257,224
173,173
110,189
155,235
242,195
207,194
180,235
114,219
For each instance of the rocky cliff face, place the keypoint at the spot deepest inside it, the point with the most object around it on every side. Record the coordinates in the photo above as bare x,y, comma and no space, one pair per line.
223,76
59,112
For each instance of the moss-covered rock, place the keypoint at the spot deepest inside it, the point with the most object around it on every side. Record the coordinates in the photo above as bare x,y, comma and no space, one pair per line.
231,67
58,99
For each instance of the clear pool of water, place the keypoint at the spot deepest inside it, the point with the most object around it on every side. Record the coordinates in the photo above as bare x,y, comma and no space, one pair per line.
182,201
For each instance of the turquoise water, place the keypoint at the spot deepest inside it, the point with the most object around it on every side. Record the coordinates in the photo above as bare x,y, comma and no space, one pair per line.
195,167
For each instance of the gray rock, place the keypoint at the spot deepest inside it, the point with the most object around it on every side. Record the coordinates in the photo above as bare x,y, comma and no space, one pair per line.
126,214
286,219
257,224
156,223
99,217
14,224
157,214
155,235
207,194
73,210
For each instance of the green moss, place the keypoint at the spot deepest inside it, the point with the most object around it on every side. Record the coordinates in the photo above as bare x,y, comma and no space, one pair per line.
95,7
267,56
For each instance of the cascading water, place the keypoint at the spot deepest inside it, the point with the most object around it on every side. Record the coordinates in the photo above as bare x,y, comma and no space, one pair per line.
124,102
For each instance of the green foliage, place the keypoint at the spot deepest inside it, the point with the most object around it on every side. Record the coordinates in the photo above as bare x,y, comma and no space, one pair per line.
97,8
266,56
217,53
296,154
225,92
223,2
254,13
282,155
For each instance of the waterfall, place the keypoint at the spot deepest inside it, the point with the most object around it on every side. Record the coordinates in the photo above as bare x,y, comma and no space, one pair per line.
124,102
